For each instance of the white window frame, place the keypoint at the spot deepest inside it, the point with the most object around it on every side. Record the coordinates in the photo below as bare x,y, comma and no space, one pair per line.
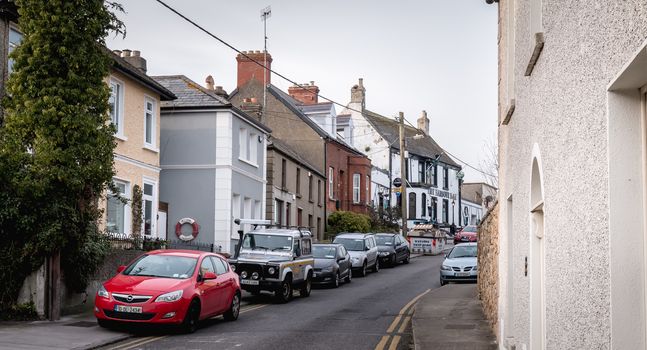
11,47
127,207
253,149
235,213
119,107
152,145
331,182
368,189
243,143
153,198
356,188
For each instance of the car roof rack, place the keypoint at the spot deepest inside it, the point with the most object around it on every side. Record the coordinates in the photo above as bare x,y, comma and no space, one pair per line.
267,223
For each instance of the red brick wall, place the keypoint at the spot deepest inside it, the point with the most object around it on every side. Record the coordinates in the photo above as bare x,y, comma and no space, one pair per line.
344,161
247,69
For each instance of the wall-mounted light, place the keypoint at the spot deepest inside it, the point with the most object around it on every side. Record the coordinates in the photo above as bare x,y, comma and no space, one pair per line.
260,138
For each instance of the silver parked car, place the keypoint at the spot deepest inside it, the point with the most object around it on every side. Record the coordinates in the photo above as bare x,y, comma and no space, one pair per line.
362,249
460,264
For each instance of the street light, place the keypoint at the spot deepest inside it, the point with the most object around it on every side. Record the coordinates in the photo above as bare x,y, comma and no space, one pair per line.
459,176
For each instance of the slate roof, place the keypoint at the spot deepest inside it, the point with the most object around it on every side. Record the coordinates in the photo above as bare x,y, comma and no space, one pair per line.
315,108
425,147
189,93
134,72
288,151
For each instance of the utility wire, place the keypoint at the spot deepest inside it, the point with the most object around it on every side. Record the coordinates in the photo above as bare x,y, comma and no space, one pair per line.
288,79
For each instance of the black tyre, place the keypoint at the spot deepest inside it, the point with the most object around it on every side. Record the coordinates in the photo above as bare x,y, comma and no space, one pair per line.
362,272
306,288
335,283
234,308
442,282
394,261
192,318
376,267
104,323
406,260
284,293
349,276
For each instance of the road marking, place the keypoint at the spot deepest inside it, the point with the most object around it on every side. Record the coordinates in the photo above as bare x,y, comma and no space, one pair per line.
394,324
382,343
145,342
252,308
394,342
404,310
123,346
404,324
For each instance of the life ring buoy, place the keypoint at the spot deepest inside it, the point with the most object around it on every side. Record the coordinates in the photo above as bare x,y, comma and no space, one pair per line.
194,233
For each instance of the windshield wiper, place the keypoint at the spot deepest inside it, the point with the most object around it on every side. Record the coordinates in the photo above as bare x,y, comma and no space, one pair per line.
260,247
278,248
144,275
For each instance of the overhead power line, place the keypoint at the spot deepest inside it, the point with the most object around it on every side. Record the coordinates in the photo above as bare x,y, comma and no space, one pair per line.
288,79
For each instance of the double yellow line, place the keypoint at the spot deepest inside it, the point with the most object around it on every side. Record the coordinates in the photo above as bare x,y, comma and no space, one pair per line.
402,319
145,340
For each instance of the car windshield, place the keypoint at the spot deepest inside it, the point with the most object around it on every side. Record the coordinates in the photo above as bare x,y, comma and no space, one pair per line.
324,252
384,240
353,244
166,266
469,229
463,251
259,241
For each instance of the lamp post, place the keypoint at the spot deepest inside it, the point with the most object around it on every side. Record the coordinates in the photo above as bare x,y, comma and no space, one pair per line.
453,211
460,176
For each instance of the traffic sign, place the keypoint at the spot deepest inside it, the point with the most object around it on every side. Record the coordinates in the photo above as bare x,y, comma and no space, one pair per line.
397,182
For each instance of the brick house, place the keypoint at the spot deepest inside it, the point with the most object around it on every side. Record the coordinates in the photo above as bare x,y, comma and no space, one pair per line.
347,170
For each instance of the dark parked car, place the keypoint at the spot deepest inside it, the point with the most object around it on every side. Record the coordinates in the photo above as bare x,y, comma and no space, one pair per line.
332,264
392,249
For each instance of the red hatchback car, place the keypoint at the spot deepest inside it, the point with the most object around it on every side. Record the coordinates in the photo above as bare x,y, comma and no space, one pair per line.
467,234
175,287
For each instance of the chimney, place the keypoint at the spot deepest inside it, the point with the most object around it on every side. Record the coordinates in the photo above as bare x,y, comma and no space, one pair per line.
134,58
423,123
221,92
248,69
358,93
209,82
252,107
306,93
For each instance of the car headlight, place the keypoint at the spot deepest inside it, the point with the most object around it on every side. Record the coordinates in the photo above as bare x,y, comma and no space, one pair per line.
102,292
355,259
243,274
475,268
169,297
384,253
254,275
445,268
327,269
271,270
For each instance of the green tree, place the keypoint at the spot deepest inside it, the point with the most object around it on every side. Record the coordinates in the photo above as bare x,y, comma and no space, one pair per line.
346,221
56,142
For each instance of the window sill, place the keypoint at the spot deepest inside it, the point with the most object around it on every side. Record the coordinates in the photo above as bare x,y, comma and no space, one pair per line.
151,148
121,137
248,162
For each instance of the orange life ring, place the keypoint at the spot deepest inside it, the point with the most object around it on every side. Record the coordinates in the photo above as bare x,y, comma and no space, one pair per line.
194,233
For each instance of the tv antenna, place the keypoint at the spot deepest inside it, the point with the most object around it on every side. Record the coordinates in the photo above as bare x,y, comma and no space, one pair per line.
265,14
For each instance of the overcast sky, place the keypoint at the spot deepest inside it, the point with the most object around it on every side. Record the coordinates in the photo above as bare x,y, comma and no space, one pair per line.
433,55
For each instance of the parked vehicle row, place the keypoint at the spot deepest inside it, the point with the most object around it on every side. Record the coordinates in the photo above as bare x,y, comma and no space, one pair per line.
182,287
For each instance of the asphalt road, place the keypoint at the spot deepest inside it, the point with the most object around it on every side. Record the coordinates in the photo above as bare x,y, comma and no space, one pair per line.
369,313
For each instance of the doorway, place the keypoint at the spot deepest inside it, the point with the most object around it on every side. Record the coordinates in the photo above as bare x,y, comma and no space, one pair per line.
537,260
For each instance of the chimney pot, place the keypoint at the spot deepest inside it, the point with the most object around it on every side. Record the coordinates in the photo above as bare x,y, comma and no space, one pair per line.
125,53
209,82
134,58
136,53
117,52
423,122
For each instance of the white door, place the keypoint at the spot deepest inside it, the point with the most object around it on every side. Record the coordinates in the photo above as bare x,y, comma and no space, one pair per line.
161,225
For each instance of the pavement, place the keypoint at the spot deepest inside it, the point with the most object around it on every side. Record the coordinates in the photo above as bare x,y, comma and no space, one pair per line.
451,317
70,332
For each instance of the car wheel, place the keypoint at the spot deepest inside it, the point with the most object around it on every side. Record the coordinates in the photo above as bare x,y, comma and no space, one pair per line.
284,293
104,323
192,318
307,286
376,267
363,270
336,283
350,275
394,261
442,282
234,309
406,260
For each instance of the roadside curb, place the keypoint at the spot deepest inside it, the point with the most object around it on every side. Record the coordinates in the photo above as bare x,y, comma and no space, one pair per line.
116,339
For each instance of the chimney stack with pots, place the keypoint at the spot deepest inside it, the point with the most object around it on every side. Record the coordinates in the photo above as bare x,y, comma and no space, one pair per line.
134,58
209,82
358,93
308,94
252,107
248,69
423,123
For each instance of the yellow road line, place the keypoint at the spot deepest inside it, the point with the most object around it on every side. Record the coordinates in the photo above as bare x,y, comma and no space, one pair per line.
145,342
404,310
394,342
118,347
394,324
252,308
404,324
382,343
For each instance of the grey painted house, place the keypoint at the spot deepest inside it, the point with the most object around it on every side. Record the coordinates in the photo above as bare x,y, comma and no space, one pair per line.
213,160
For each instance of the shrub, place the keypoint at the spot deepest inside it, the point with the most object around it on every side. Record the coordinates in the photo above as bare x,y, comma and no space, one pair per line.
346,221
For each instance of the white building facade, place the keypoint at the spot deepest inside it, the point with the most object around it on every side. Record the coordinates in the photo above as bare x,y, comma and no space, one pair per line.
572,176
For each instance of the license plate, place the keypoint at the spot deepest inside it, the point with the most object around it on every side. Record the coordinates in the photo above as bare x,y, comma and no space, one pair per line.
462,274
251,282
131,309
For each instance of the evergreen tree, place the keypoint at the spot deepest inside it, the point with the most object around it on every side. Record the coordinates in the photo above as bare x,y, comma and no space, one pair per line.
56,141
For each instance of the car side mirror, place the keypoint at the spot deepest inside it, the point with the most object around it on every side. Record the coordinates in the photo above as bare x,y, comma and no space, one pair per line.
341,259
121,268
209,276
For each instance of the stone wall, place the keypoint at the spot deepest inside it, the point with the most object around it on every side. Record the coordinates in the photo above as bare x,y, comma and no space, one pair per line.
488,262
